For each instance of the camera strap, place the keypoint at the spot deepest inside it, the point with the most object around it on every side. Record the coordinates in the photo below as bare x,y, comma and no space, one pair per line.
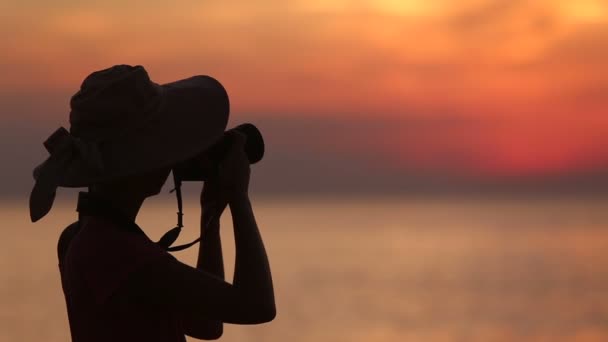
171,236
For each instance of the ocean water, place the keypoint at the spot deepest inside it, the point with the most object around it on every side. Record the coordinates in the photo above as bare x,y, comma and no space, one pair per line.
369,269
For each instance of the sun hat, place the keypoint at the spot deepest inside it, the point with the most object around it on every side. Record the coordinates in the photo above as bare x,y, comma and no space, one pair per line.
122,123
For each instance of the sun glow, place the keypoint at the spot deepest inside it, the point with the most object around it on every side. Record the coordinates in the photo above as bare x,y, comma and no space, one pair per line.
414,8
585,11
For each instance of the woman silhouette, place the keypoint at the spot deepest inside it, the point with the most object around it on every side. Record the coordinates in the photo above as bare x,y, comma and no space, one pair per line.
126,135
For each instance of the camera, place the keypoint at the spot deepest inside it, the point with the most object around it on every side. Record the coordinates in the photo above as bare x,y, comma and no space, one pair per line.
190,170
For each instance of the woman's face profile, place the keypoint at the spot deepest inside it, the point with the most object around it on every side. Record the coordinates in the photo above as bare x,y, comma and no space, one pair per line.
150,183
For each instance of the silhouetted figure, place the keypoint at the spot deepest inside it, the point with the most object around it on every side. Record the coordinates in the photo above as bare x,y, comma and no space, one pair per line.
127,134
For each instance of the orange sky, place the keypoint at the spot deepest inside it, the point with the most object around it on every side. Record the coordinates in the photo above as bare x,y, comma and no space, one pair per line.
531,77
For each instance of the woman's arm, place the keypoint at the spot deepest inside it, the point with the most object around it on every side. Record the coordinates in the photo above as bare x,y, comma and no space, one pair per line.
252,273
252,277
210,259
213,205
210,251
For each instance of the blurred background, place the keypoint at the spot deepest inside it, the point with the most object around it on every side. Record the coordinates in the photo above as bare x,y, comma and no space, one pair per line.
435,170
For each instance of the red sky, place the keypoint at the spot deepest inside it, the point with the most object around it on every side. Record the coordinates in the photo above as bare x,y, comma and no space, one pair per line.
502,88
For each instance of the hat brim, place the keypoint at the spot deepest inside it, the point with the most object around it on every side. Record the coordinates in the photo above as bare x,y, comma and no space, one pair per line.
192,116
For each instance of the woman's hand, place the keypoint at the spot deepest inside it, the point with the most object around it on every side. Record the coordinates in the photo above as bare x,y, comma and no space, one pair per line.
231,181
234,170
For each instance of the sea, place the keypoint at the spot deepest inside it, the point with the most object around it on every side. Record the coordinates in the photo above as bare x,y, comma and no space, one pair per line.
373,269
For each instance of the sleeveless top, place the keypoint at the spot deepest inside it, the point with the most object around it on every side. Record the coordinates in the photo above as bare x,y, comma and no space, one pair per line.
95,260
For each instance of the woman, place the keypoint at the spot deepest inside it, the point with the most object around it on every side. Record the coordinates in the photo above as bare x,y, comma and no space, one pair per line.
126,135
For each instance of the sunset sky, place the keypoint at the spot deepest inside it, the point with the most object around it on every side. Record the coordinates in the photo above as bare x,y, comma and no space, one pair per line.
435,91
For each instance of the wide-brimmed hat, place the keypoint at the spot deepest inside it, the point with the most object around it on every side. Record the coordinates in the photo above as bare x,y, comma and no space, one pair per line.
122,123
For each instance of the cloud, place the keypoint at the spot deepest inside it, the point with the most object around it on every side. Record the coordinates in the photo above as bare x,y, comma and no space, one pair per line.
370,154
424,153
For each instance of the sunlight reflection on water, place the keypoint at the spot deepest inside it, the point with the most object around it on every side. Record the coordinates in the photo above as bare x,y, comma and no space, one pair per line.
363,270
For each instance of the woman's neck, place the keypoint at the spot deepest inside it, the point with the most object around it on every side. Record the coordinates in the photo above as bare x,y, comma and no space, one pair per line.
126,203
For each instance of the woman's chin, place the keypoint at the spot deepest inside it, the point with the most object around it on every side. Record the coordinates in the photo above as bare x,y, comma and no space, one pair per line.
153,193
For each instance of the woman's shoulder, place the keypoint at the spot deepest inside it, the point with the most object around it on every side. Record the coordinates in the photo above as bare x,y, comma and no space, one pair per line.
95,239
65,239
103,254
